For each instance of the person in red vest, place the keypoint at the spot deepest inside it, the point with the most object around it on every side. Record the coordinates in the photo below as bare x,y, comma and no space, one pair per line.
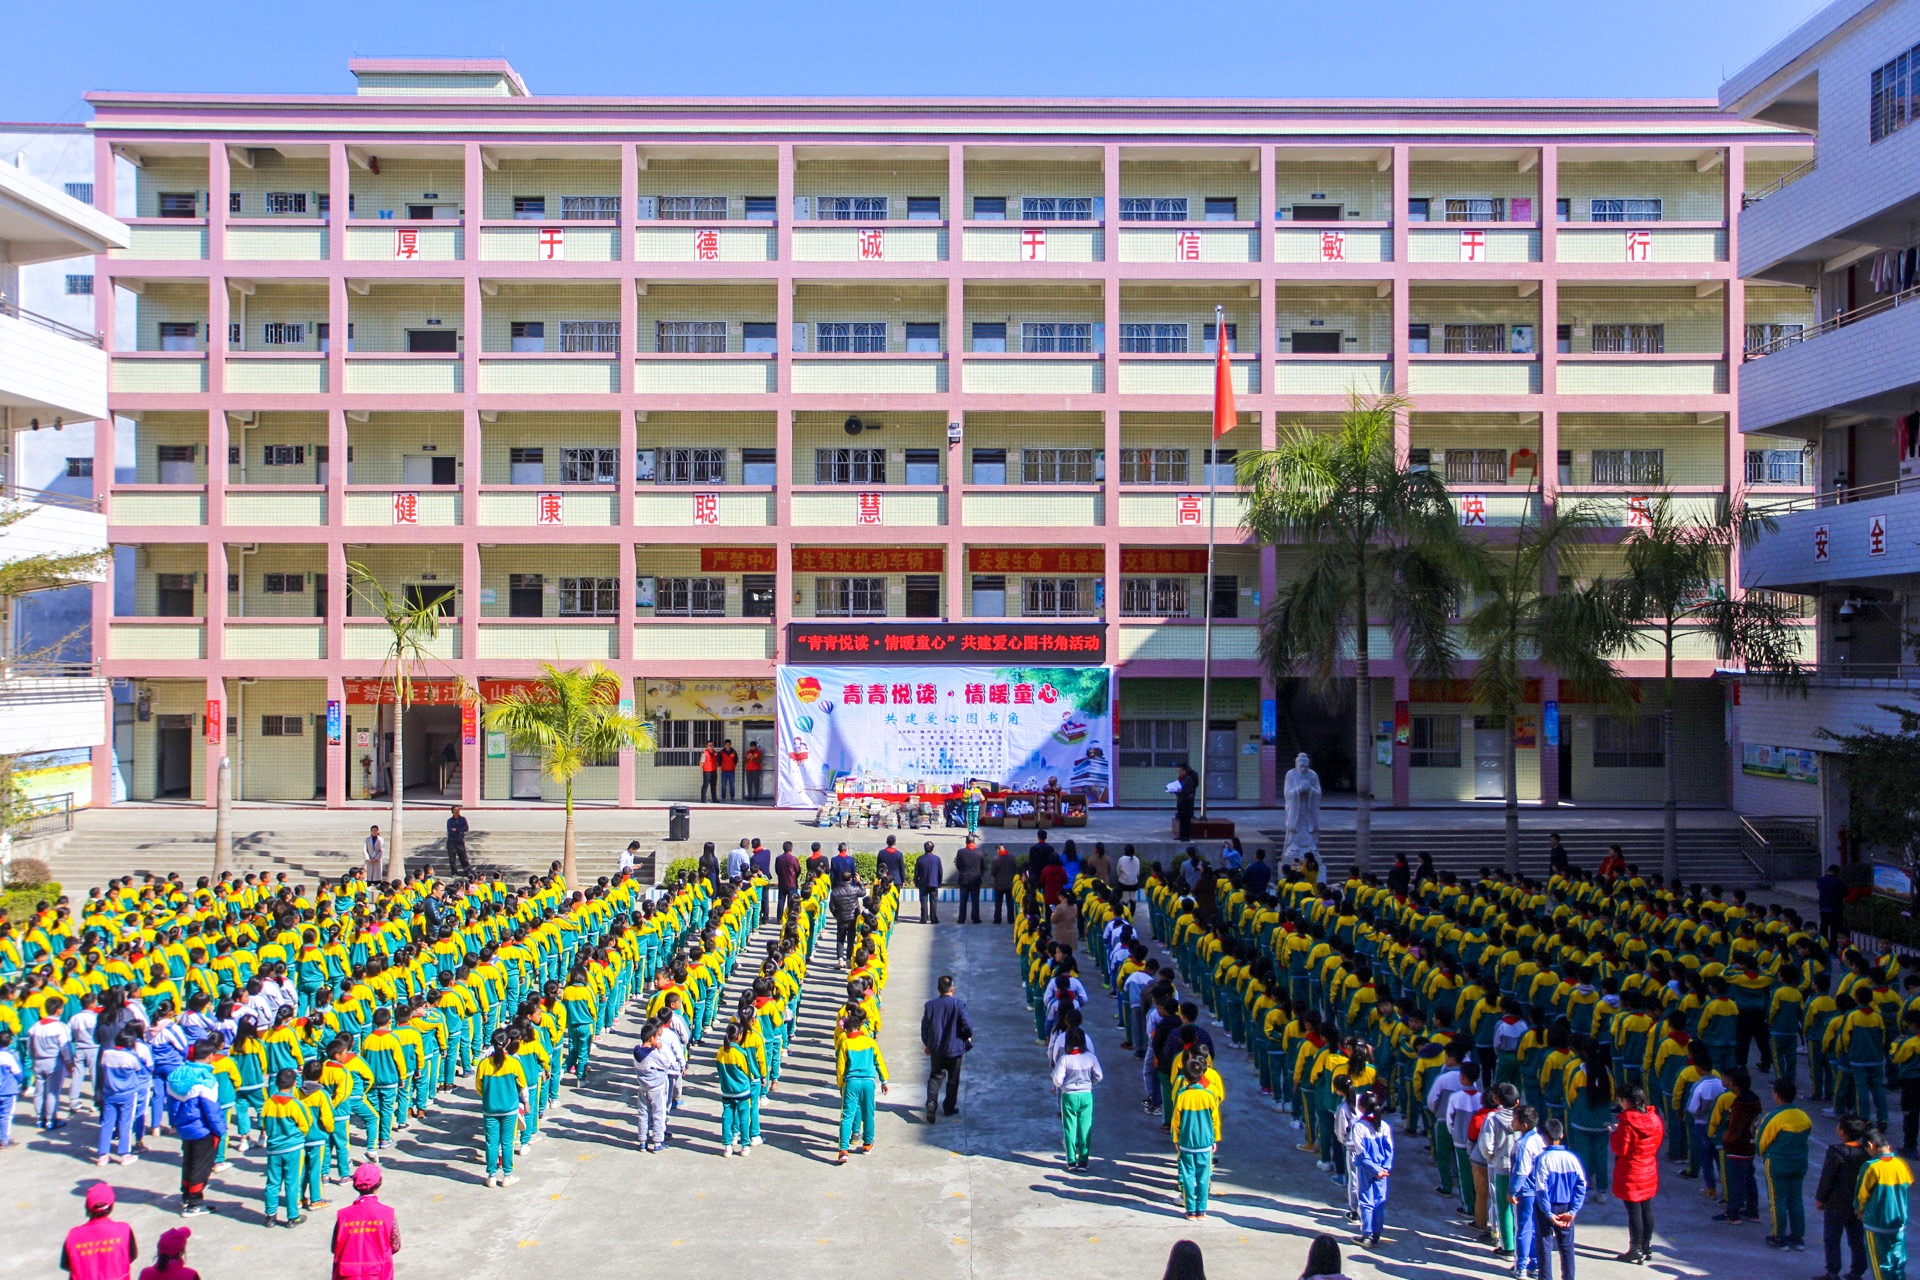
729,763
102,1247
752,765
365,1233
709,773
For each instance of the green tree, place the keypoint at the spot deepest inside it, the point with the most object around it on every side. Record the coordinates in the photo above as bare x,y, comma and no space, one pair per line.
1883,806
1674,587
1372,539
411,632
41,572
569,718
1517,625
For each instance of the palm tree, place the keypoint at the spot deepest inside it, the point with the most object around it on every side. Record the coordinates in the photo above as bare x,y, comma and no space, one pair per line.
1675,585
1517,624
569,718
411,631
1374,538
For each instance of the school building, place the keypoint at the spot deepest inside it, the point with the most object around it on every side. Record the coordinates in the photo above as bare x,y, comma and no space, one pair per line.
654,381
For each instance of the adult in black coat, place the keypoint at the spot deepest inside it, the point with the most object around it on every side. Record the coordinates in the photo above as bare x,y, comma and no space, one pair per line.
1003,870
928,876
945,1037
892,863
710,866
969,872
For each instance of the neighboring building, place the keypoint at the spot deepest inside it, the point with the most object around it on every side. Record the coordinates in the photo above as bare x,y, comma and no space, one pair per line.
1844,387
654,381
53,374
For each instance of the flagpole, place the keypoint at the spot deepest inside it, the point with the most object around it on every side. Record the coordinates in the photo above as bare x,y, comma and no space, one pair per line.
1206,629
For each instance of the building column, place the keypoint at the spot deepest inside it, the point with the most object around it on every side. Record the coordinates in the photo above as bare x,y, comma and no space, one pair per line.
216,705
955,345
338,777
629,571
337,756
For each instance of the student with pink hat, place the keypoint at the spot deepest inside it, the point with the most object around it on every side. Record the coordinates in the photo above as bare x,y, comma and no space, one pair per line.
102,1247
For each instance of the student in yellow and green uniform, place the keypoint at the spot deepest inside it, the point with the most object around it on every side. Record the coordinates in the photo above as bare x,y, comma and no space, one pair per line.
579,1002
502,1086
350,1089
1904,1062
386,1057
735,1075
1783,1133
313,1153
1886,1186
858,1070
285,1123
1196,1132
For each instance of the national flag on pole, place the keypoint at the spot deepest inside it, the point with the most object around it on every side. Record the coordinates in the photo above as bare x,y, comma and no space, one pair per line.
1225,416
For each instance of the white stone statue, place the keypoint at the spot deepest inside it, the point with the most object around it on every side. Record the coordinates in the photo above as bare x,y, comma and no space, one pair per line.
1302,792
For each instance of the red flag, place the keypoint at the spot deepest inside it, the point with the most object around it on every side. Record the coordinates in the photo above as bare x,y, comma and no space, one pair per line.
1225,416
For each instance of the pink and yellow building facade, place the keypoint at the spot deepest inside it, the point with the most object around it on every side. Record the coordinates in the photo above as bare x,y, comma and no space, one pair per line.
654,382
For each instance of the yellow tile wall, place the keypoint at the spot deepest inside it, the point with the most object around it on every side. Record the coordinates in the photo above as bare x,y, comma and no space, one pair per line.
734,179
711,431
169,303
1437,307
1686,195
276,304
1695,454
1014,179
1438,180
1781,305
550,178
170,174
170,697
497,564
896,304
395,566
274,172
152,560
1016,431
1458,783
403,182
252,601
735,304
380,319
1362,187
897,179
1014,305
898,432
549,431
278,768
550,304
1196,182
1194,307
1354,312
378,444
151,430
1693,324
308,430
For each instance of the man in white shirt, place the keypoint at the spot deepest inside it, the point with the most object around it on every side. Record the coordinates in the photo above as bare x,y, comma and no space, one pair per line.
374,850
629,855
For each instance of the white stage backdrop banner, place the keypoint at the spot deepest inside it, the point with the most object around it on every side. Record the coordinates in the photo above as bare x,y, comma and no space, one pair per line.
1016,726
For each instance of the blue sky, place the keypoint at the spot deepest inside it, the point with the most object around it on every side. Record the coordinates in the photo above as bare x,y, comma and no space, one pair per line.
1176,48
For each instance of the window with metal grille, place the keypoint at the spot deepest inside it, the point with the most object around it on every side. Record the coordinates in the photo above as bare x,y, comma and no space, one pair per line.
282,726
1476,466
690,466
1623,743
851,335
690,597
677,743
1153,208
590,335
689,208
283,455
690,337
1154,338
1893,95
1210,339
1057,597
1765,337
286,202
1152,744
1629,466
1623,209
1770,466
282,333
588,466
529,208
283,584
849,466
80,285
1473,339
589,598
1629,339
1052,336
849,208
850,597
177,453
1476,209
594,208
1153,597
1435,742
1053,466
234,202
179,204
1153,466
1056,208
81,191
79,468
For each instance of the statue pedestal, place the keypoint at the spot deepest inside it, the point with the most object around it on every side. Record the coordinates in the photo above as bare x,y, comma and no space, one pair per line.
1207,829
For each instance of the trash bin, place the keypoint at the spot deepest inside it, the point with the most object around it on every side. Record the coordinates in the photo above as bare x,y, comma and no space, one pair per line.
679,821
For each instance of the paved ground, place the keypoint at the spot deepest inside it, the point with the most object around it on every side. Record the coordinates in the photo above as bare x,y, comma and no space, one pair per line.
984,1196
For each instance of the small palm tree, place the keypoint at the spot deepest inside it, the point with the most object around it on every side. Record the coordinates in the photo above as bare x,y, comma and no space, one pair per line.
1516,624
569,718
1674,585
1375,539
411,632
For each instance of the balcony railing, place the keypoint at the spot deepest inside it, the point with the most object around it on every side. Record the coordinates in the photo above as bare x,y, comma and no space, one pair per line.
8,307
1841,674
1841,321
1836,497
1781,183
48,498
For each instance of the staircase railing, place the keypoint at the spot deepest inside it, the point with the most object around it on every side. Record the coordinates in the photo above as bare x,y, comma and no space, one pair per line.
1781,848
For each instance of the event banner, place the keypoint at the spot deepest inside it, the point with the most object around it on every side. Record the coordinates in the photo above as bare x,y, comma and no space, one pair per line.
885,729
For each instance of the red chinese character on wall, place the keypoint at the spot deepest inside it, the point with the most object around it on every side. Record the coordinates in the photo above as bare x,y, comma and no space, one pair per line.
1033,244
1473,246
850,695
873,244
1639,512
877,694
406,508
1023,693
1049,694
869,509
1822,543
706,508
1186,247
1186,509
552,509
1639,246
997,693
706,245
976,694
1333,246
1877,536
553,244
902,695
406,242
1473,509
925,694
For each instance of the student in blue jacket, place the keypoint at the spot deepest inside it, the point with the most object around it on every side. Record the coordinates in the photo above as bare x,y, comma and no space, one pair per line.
194,1110
121,1075
1558,1186
1372,1146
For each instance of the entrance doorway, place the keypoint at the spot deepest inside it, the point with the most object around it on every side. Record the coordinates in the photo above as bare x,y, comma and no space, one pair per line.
173,756
1565,753
523,780
1489,760
428,731
1223,766
1321,726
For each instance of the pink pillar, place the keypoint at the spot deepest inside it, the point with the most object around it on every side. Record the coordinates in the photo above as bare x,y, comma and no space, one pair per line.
217,706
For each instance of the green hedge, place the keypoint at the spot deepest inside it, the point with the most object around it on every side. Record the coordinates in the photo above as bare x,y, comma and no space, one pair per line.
1885,918
866,863
17,904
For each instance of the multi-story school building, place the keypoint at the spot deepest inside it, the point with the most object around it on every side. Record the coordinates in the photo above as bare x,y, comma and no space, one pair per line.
670,384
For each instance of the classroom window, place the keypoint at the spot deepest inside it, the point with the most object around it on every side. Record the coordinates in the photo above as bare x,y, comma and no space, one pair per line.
1435,742
1049,335
990,208
81,286
529,208
1629,339
179,204
1056,208
849,208
283,584
1476,466
1153,597
1153,209
693,337
677,743
81,191
688,208
756,595
690,597
1058,597
1055,466
1764,466
760,336
1629,466
759,466
851,335
280,333
527,335
286,202
690,466
1153,466
282,726
82,468
849,466
1622,743
923,208
595,208
1476,209
1892,92
1623,209
989,466
989,596
283,455
922,466
590,335
1762,338
1473,339
1223,208
1154,339
923,337
588,465
850,597
989,335
589,598
1152,744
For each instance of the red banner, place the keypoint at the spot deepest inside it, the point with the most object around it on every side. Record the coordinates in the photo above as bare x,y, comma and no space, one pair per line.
737,560
469,722
216,723
372,691
869,559
1036,560
1168,560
